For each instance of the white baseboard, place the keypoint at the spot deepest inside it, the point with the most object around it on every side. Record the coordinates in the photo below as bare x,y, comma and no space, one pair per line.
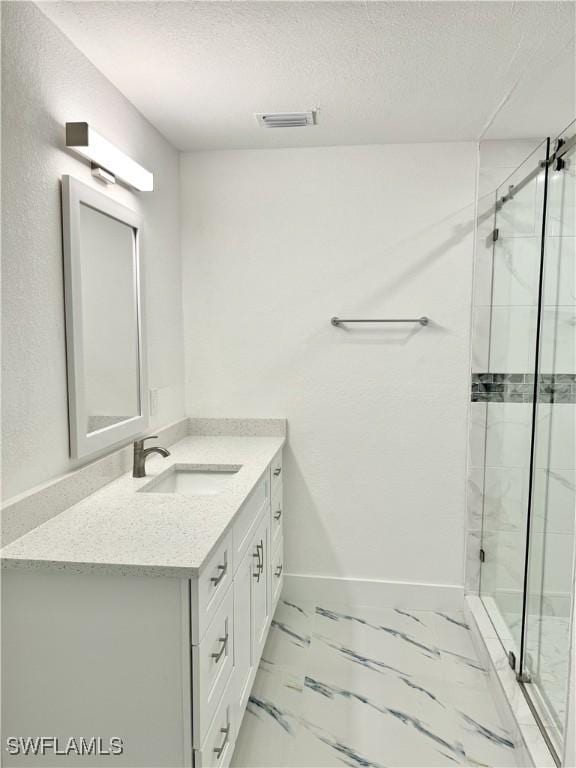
383,594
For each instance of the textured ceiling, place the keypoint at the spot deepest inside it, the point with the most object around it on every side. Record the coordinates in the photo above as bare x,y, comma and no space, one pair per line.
378,71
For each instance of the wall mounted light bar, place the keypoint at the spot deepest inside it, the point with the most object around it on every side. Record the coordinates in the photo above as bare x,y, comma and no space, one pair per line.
104,155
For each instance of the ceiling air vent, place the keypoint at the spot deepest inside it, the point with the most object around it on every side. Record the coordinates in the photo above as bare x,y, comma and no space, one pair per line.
286,119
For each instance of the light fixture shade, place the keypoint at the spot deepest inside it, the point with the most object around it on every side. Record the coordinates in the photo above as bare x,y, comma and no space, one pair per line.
86,142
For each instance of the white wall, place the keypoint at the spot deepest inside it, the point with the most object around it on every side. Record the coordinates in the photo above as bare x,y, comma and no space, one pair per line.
46,81
274,243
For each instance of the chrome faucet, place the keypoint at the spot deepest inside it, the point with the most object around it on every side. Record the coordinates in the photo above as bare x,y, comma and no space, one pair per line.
140,454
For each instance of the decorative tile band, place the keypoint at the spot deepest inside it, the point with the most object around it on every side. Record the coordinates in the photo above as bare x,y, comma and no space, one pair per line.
519,388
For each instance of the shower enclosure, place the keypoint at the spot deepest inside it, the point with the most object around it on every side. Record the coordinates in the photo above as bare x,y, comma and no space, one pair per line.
529,500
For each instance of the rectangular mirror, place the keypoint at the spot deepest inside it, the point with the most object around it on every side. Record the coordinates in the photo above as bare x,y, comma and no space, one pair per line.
104,336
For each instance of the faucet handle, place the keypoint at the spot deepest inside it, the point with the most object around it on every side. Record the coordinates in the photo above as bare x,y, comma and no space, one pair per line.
140,443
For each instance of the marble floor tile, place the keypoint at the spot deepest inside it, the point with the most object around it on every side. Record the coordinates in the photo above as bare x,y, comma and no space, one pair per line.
402,640
271,723
289,637
451,631
372,688
463,669
318,748
381,722
479,729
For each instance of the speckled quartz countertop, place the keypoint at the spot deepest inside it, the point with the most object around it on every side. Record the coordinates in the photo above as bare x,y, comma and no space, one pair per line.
118,530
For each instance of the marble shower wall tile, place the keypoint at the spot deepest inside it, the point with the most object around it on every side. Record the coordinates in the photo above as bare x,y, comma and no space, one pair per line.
560,271
493,387
508,434
512,339
503,569
558,351
483,249
477,434
475,498
516,271
515,279
472,564
504,339
554,500
555,441
505,498
561,206
522,215
480,353
551,563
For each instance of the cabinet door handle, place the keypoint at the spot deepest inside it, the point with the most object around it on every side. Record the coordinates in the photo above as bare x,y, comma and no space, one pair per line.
223,569
278,514
218,750
217,656
277,471
278,571
256,555
260,548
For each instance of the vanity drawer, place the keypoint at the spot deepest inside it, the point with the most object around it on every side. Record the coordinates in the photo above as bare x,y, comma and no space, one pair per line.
210,587
276,516
218,746
248,517
276,471
212,663
276,573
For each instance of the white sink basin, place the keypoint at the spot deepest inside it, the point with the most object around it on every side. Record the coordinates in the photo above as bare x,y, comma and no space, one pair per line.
192,480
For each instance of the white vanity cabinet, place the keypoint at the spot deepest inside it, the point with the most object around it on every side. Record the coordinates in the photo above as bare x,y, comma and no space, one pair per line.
165,664
276,531
251,613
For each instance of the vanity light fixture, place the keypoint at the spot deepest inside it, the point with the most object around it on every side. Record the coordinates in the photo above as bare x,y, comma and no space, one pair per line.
102,174
108,162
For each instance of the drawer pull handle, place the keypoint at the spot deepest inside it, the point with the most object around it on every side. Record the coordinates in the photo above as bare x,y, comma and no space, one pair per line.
278,514
218,750
223,569
221,652
278,571
259,554
277,471
256,556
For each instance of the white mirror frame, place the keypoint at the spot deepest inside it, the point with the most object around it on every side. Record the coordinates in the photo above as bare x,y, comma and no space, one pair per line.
82,444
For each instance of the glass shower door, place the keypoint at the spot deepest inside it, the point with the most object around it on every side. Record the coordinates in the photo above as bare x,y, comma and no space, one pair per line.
546,648
507,388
